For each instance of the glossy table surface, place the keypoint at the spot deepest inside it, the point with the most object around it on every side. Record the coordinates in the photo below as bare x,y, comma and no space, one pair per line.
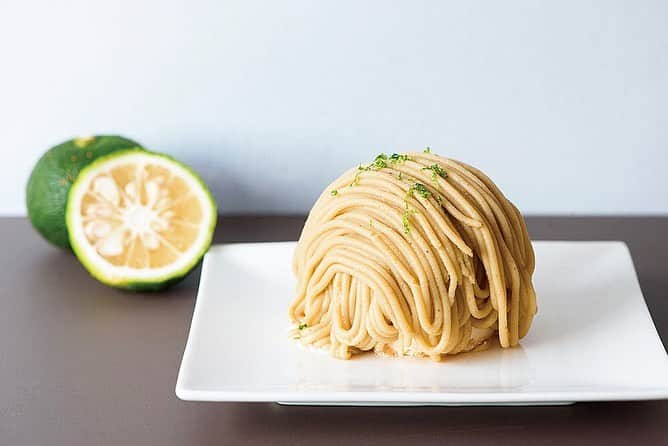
82,364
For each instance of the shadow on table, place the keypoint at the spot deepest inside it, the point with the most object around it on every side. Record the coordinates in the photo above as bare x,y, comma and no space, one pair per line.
61,274
330,425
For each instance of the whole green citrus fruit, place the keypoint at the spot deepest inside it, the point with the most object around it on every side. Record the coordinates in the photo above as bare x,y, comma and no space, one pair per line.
54,173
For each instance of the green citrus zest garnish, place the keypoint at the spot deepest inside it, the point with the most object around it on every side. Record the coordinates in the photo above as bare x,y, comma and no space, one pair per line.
436,171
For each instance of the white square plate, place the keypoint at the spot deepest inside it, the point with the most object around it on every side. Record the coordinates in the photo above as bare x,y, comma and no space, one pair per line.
592,339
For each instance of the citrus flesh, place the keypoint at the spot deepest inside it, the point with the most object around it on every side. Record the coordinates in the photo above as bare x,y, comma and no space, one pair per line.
139,220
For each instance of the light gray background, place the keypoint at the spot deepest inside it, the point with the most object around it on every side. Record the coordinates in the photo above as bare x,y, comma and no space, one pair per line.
563,103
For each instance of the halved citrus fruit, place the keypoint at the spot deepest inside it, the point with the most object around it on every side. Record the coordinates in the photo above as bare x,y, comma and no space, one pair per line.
139,220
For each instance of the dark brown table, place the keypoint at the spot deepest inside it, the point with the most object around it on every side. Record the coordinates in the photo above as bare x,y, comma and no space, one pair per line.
82,364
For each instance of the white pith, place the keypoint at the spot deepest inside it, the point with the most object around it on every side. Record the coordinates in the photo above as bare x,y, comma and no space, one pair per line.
93,237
